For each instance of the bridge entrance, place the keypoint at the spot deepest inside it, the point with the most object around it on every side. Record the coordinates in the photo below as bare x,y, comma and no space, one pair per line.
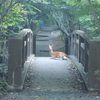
50,74
53,75
77,44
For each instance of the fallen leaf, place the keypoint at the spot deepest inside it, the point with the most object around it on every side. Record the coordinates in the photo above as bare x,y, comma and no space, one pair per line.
37,97
38,88
13,98
98,94
97,97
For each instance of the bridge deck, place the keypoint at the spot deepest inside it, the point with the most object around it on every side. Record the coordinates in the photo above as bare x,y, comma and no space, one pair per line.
53,75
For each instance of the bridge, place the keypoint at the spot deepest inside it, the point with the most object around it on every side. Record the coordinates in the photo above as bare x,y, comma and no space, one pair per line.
25,53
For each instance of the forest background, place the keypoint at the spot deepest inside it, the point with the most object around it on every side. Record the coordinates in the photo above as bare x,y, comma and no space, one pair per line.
66,15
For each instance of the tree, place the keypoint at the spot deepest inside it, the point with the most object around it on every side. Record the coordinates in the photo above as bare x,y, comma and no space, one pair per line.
54,13
87,15
11,15
94,14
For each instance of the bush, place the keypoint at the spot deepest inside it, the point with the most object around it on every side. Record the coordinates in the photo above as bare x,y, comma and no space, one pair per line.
35,26
3,77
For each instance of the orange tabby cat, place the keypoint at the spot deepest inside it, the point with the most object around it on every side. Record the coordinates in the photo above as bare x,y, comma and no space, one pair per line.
57,54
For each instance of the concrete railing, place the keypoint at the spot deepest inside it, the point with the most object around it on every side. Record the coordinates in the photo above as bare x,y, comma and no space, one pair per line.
87,51
20,50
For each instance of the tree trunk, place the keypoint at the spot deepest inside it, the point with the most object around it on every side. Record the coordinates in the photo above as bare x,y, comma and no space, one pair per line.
94,14
60,23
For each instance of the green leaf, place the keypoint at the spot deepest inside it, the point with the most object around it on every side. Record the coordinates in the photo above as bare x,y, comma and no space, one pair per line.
97,72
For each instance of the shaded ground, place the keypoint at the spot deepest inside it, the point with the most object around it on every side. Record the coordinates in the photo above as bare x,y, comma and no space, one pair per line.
53,75
49,79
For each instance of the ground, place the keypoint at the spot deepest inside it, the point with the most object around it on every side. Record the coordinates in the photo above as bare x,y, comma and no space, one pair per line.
50,79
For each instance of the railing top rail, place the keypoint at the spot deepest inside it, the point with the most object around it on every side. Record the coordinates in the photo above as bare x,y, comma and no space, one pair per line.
22,33
78,32
95,39
82,34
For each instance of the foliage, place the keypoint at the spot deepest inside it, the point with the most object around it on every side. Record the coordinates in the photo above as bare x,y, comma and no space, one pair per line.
73,14
12,19
3,73
97,72
35,26
14,16
85,15
96,37
11,15
31,13
69,15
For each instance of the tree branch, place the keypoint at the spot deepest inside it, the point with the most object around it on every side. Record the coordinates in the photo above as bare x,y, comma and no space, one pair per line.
7,9
60,23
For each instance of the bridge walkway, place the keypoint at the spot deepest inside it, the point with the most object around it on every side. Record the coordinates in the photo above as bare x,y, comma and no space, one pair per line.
53,75
50,74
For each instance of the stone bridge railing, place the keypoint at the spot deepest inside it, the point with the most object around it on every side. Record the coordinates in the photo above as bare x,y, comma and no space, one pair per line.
20,50
87,51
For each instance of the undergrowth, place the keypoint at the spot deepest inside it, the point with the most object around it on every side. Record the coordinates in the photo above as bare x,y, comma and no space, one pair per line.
3,78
